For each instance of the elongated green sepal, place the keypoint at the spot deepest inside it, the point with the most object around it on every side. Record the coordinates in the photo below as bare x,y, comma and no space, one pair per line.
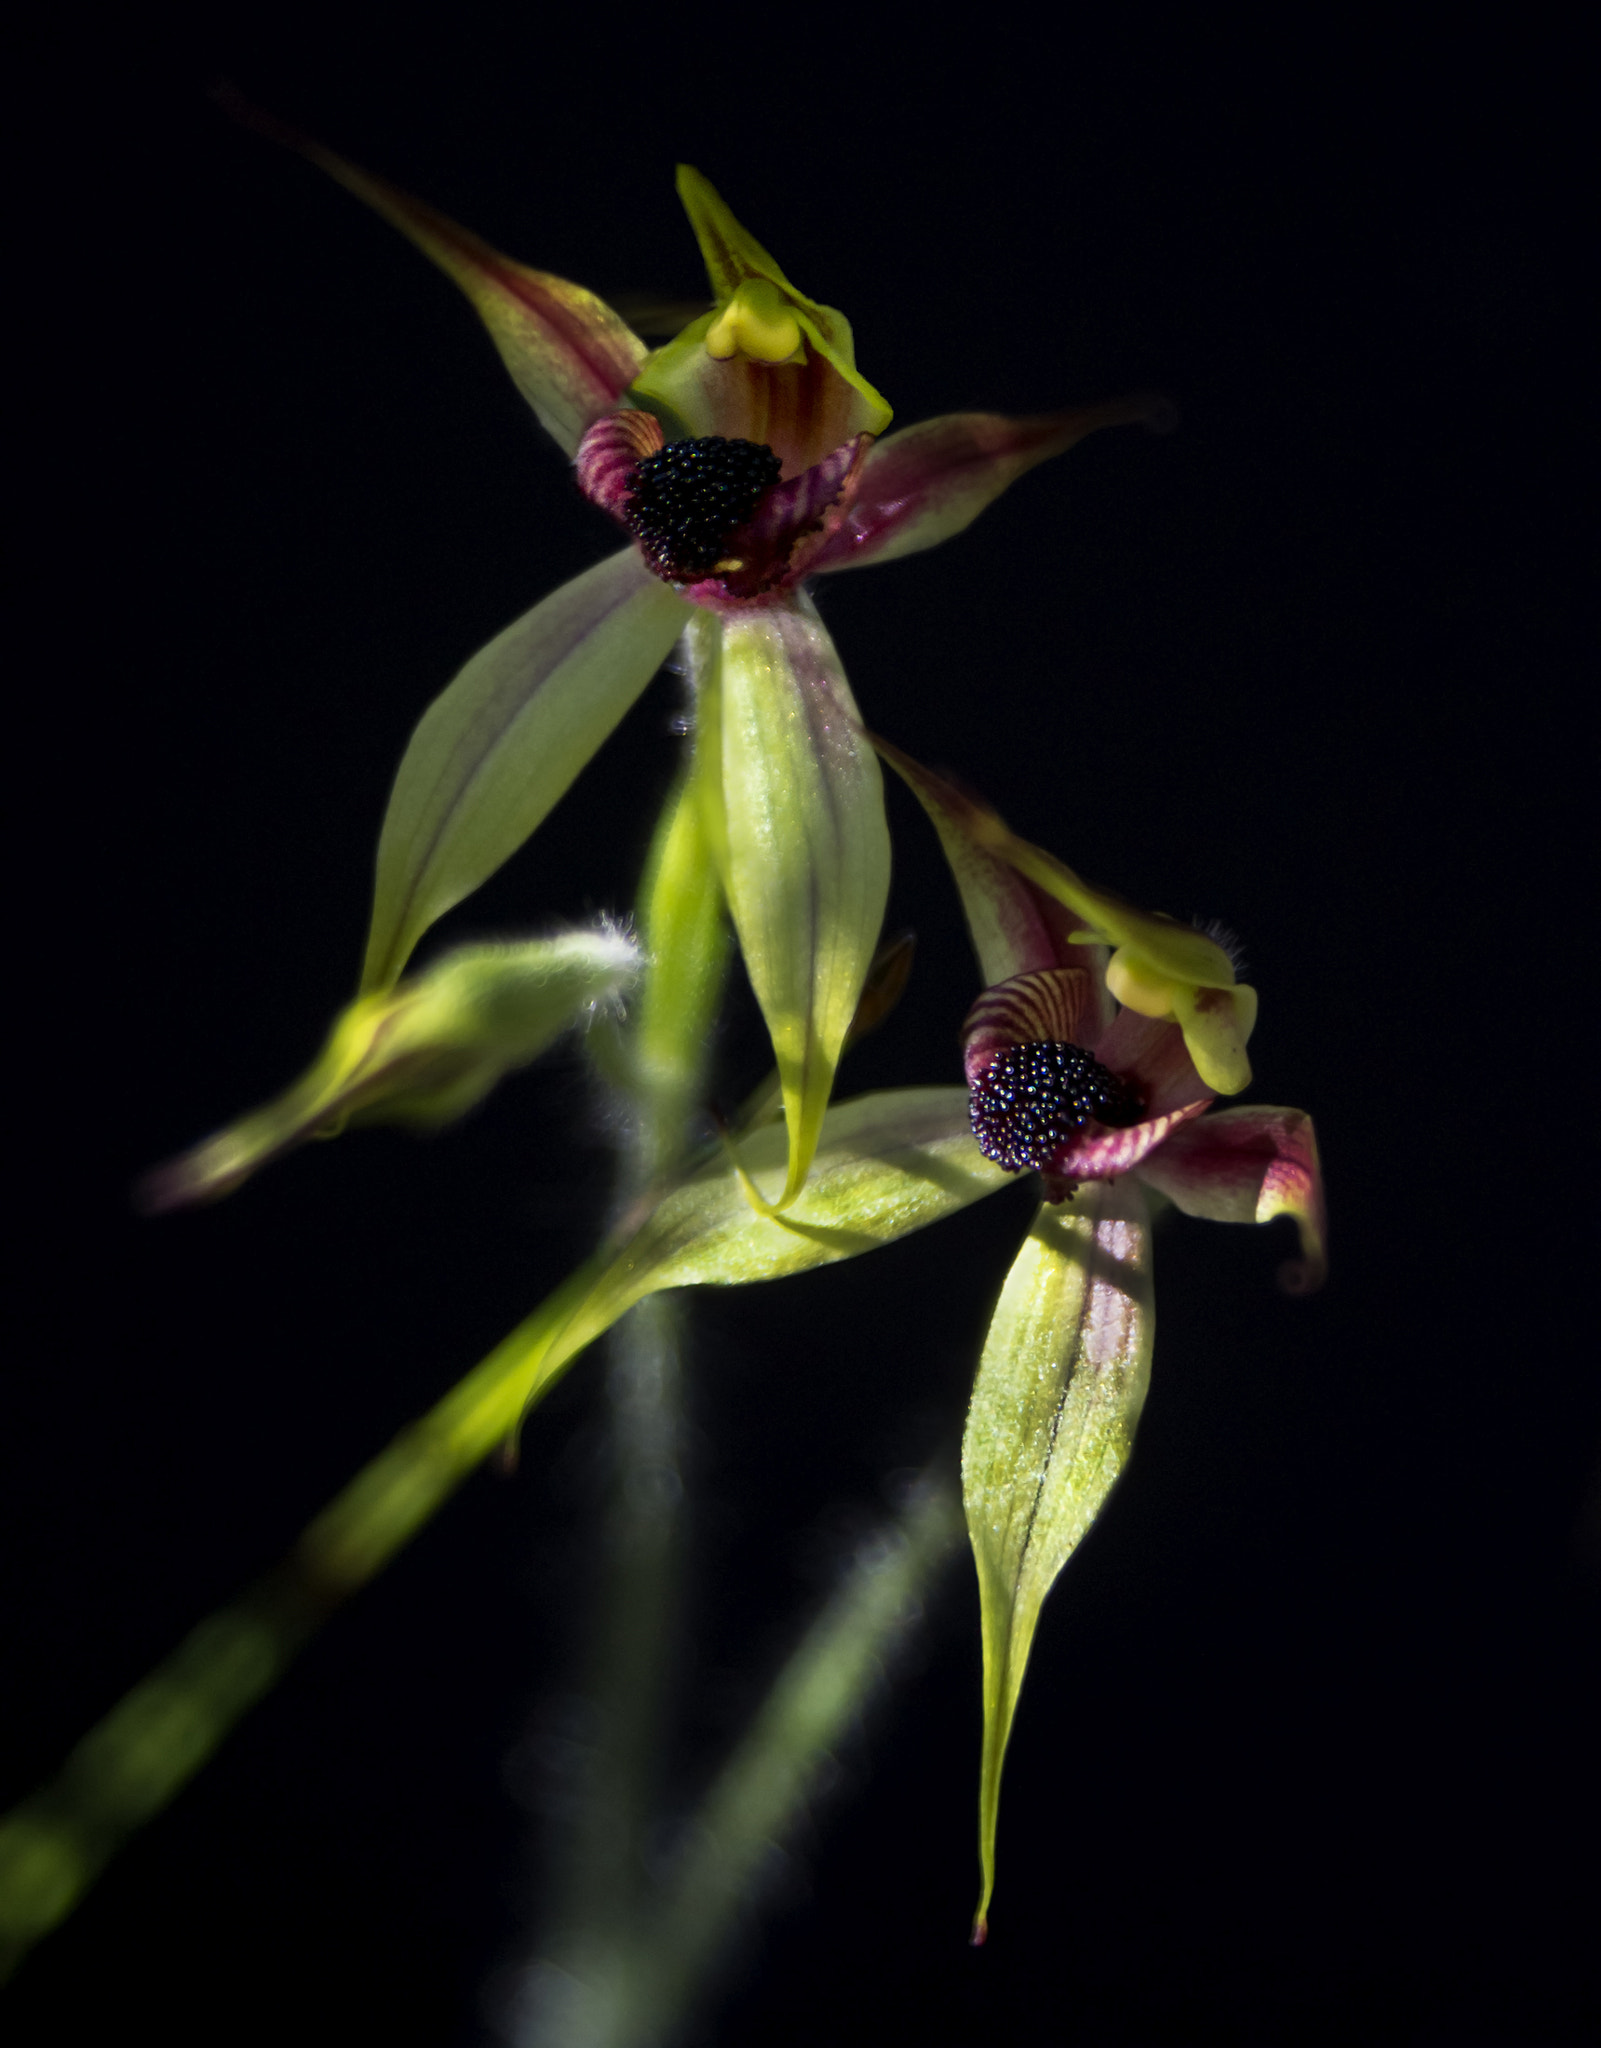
794,804
886,1165
685,935
1059,1391
422,1054
569,353
502,744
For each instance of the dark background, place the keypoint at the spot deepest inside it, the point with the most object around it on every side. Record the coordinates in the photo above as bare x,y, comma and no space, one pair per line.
1306,1751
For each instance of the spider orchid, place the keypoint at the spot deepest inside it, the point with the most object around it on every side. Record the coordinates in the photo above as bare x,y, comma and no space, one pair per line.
739,459
1104,1102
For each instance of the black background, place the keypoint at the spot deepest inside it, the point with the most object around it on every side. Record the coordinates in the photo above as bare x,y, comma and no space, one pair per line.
1306,1752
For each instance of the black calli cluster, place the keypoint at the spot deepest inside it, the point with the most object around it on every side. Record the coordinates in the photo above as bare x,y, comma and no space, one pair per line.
1032,1099
686,499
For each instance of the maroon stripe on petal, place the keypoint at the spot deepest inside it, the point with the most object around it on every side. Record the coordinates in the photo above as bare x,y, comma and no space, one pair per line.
1053,1005
1098,1153
609,453
790,509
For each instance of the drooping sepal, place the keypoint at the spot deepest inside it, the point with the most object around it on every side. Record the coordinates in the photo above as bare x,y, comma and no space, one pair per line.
504,742
570,355
422,1054
1059,1391
795,811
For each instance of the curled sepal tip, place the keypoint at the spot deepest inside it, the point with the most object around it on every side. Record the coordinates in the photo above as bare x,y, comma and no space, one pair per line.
1059,1392
1249,1165
421,1054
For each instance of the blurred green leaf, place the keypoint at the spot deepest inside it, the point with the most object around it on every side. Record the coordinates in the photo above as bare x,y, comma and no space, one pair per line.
422,1054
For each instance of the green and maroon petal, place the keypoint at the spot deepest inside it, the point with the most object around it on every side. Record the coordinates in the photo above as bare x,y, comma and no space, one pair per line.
569,354
924,484
1249,1165
1054,1005
1016,927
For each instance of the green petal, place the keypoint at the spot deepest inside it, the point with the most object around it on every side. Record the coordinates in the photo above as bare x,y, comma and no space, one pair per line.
1216,1023
1059,1391
496,751
421,1055
794,803
787,406
886,1165
685,935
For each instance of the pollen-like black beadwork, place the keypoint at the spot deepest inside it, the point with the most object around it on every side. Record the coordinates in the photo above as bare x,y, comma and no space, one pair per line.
1033,1098
686,499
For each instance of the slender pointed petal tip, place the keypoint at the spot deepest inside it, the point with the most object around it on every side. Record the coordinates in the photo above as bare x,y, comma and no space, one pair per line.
569,354
794,807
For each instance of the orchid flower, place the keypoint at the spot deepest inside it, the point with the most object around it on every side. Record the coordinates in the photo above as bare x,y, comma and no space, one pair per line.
1104,1102
739,459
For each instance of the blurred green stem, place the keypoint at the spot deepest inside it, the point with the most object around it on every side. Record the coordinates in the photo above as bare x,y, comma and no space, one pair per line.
763,1790
648,1988
656,1066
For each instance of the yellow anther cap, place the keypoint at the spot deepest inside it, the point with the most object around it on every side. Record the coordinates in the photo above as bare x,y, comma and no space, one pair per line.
757,322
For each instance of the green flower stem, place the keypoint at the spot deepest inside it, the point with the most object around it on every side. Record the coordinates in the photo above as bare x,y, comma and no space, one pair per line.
762,1791
55,1844
659,1070
598,1872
